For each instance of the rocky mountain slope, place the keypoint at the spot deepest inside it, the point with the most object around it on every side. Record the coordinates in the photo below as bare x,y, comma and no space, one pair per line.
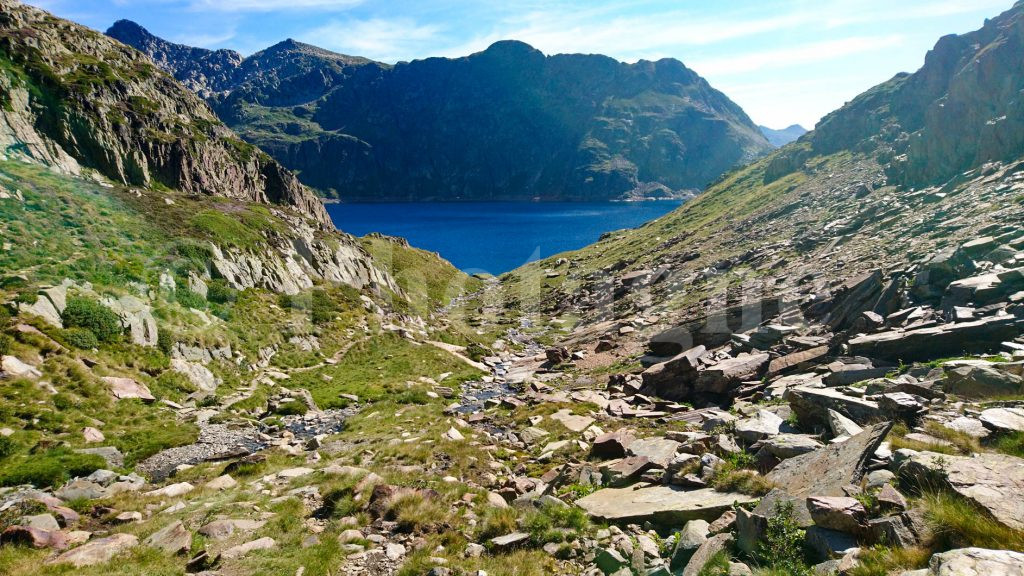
507,123
74,98
779,138
813,368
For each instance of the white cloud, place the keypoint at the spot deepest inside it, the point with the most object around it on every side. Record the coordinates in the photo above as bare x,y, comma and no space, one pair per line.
205,40
794,56
379,39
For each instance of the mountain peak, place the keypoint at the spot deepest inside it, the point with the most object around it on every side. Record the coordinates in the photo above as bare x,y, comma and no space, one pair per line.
512,48
129,29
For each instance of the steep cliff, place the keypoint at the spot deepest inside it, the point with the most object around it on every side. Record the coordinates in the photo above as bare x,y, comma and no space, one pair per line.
961,109
74,98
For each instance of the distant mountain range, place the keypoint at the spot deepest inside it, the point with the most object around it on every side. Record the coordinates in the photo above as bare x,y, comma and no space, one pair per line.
780,138
508,123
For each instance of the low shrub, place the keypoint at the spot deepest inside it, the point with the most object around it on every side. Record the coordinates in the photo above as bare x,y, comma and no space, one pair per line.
783,546
80,338
90,314
219,292
7,447
189,299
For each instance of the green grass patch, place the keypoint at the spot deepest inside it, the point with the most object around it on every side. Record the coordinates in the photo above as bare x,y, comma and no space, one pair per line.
48,469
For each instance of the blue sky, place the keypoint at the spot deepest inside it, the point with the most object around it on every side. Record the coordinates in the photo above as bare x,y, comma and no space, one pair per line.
784,61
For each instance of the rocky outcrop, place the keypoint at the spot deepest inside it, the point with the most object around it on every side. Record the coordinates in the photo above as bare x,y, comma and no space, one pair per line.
506,123
75,98
959,111
292,262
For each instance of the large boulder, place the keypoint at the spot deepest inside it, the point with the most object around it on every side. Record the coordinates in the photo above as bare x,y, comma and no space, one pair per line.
813,406
173,539
661,505
97,551
980,381
136,317
840,513
729,374
977,562
127,388
673,379
939,341
1003,419
827,471
759,426
659,451
994,482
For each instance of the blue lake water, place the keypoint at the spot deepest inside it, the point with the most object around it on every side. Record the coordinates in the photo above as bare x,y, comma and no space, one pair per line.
495,237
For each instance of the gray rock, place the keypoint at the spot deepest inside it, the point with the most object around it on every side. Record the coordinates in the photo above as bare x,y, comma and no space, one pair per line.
613,444
97,551
827,471
706,552
510,540
45,309
840,513
826,544
786,446
659,451
939,341
977,561
81,489
728,374
127,388
40,522
759,426
199,375
663,505
674,378
1003,419
173,539
610,561
979,381
689,539
812,406
751,526
136,317
992,481
13,367
265,543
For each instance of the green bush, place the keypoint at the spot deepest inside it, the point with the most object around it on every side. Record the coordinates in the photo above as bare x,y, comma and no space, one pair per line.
5,344
322,308
218,292
50,469
165,341
7,447
783,546
189,299
90,314
81,338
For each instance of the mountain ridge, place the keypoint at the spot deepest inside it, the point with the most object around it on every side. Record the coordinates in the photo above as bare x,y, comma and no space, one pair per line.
614,130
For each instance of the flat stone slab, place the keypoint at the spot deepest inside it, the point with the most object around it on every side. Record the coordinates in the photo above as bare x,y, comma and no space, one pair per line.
659,451
573,422
993,481
1003,419
125,388
97,551
977,561
659,504
812,405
